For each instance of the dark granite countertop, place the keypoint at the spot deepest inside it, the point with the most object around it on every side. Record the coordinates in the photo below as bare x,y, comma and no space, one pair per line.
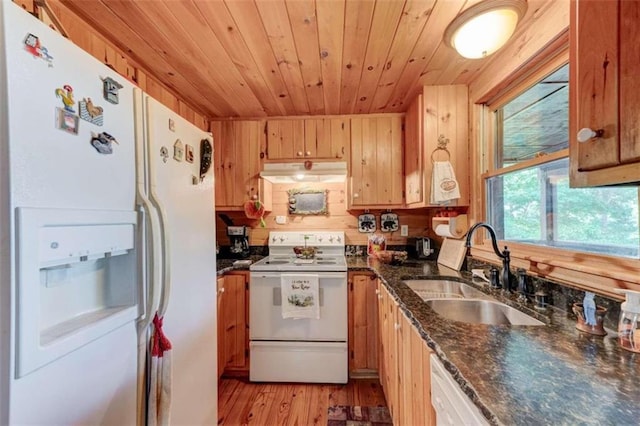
225,265
522,375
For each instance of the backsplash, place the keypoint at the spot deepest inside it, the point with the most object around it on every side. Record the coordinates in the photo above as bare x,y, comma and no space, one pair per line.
559,296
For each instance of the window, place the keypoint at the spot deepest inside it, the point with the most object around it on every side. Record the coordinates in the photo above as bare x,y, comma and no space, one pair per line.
528,197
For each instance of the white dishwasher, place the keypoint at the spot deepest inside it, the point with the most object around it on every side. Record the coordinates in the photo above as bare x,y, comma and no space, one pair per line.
453,407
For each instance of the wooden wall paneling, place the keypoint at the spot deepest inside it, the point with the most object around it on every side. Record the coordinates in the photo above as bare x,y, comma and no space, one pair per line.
214,67
549,21
383,27
130,42
463,147
407,87
358,17
249,23
284,48
27,5
304,26
263,83
330,16
412,22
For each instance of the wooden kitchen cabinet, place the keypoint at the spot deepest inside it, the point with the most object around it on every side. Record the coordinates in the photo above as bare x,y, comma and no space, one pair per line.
376,175
363,325
308,139
219,303
238,148
404,365
440,113
604,93
233,324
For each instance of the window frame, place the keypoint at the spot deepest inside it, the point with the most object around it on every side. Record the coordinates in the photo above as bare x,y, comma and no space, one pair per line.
588,271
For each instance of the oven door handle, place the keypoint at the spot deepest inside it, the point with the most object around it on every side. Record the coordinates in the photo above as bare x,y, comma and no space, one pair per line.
321,275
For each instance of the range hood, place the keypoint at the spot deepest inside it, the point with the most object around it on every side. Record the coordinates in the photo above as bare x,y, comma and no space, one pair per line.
335,171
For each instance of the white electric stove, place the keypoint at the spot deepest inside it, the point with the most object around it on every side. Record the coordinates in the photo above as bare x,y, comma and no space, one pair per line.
329,257
308,350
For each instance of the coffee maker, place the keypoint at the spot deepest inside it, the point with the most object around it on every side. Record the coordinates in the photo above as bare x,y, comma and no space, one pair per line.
239,239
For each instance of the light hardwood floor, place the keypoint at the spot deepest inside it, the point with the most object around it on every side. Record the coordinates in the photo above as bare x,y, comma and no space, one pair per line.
242,403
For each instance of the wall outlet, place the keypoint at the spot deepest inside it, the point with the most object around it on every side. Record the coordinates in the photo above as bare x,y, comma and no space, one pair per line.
404,230
281,220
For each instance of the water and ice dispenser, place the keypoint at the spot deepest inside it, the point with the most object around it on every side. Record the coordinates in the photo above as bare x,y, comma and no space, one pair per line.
76,280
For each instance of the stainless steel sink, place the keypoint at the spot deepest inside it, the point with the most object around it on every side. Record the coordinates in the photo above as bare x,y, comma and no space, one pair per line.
438,289
480,312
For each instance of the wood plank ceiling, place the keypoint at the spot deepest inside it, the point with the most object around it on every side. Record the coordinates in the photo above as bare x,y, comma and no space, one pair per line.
257,58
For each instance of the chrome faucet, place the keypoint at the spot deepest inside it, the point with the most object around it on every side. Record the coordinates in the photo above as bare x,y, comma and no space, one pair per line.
504,255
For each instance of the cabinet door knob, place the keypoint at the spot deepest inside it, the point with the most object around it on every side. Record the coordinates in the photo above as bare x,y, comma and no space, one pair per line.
299,153
586,134
356,195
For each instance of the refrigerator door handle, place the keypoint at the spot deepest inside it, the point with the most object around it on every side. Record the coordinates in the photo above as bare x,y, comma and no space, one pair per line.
152,157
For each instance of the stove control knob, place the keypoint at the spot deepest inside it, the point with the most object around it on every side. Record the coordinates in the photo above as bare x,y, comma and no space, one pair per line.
331,239
282,239
320,238
339,239
273,240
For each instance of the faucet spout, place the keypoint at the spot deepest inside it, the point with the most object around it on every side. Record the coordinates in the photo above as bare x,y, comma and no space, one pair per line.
504,255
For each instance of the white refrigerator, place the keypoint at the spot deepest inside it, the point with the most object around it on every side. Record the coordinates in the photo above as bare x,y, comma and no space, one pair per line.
85,261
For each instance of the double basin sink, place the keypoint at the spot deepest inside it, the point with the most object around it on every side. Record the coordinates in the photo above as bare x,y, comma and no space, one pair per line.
461,302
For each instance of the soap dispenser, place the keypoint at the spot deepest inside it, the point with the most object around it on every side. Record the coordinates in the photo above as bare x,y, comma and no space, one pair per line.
629,324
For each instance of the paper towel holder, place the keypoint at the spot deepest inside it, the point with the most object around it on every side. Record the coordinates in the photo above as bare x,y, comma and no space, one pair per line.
457,225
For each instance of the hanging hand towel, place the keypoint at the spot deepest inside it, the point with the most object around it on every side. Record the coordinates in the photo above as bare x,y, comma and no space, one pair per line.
300,296
444,186
159,405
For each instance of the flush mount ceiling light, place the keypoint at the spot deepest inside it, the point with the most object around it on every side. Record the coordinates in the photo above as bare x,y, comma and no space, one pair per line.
484,27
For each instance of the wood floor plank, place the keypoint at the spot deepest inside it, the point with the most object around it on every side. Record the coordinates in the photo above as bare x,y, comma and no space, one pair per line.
243,403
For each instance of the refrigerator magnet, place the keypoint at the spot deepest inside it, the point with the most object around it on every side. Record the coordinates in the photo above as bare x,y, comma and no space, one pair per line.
33,46
65,93
103,142
110,89
178,150
189,153
90,112
164,153
67,121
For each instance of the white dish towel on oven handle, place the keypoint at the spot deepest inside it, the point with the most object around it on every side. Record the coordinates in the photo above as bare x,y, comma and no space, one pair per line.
300,296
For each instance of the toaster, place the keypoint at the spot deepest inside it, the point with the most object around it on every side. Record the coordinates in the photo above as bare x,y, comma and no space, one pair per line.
420,247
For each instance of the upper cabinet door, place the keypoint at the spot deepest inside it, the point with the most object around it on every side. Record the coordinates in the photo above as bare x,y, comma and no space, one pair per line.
604,93
376,162
285,139
309,139
596,75
413,148
237,163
